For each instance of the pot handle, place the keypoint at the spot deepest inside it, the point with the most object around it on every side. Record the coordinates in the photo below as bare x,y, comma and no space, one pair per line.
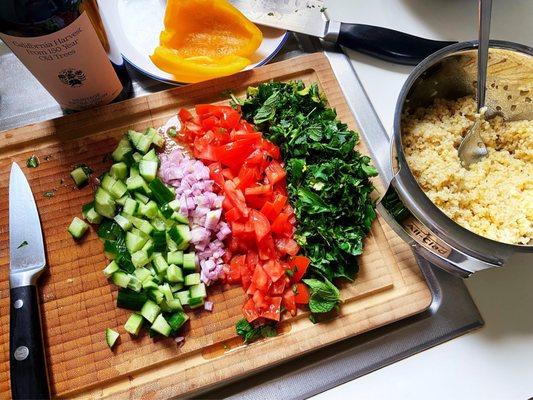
424,242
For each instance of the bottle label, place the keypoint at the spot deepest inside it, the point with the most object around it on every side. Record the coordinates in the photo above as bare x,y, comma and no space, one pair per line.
70,63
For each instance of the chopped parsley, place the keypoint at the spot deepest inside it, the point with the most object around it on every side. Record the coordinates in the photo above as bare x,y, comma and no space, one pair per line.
250,334
32,162
49,193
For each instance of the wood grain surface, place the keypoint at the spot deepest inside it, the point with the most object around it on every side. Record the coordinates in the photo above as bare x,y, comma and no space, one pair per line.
78,303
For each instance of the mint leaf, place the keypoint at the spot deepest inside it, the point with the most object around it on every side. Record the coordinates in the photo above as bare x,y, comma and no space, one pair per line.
324,296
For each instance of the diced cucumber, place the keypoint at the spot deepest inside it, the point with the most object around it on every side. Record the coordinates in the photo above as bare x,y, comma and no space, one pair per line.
155,138
77,228
130,206
142,274
110,249
109,230
134,284
134,137
80,176
198,291
176,216
123,222
174,204
124,262
150,311
131,300
183,297
151,156
134,170
86,207
161,193
175,257
134,323
166,211
142,225
156,295
174,305
140,258
137,157
177,320
195,302
160,241
119,171
176,287
93,217
121,279
144,143
174,274
148,169
180,234
104,204
135,184
107,182
134,242
122,200
149,210
111,337
118,189
160,263
149,284
141,197
192,279
110,269
167,292
149,247
161,325
189,262
121,150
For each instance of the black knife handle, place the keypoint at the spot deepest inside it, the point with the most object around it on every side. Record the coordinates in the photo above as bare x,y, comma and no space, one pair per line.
29,378
388,44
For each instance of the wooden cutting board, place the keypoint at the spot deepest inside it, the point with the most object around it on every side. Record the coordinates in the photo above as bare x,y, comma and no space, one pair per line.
77,303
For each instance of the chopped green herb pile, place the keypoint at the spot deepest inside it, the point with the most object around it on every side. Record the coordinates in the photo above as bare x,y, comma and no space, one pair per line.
328,181
32,162
249,333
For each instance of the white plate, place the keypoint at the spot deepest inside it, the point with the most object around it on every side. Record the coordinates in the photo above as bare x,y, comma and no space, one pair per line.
136,25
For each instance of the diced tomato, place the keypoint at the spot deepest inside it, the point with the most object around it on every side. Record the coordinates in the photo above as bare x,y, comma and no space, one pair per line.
247,177
231,194
288,301
234,153
184,115
232,215
260,300
301,293
252,259
215,173
278,203
273,311
275,172
278,287
287,246
260,224
274,269
244,134
281,225
235,268
257,202
298,265
267,249
258,190
271,149
260,279
249,311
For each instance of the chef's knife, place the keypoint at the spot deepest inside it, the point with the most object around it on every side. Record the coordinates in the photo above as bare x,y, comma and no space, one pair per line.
29,378
310,17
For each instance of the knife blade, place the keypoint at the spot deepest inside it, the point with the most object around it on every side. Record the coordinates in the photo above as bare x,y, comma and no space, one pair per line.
311,18
27,260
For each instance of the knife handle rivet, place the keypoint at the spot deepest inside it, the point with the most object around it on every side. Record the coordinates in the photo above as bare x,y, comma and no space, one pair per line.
21,353
18,303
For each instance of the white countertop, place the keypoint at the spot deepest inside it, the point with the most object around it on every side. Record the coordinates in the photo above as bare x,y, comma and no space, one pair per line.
496,361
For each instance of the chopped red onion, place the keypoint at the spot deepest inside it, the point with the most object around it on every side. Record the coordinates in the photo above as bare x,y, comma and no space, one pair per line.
208,305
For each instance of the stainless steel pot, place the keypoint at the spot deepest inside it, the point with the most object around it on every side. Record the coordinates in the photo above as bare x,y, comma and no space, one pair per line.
451,73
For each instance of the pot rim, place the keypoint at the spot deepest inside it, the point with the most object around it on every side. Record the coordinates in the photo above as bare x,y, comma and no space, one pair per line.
412,194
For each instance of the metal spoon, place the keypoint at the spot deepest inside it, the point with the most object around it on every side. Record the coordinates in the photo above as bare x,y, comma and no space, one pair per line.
472,148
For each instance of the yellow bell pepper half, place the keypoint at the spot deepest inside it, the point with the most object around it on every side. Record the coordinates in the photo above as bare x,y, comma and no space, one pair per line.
204,39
